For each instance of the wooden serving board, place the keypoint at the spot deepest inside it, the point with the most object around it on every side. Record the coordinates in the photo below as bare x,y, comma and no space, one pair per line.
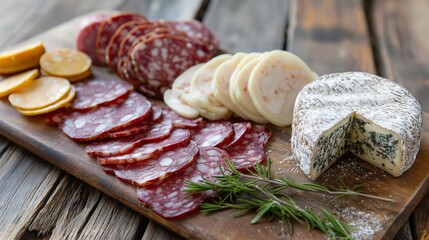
374,219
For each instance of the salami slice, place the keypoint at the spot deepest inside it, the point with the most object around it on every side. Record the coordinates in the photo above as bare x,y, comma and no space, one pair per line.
181,122
240,130
167,198
214,134
108,28
87,35
86,126
56,117
164,57
178,138
112,147
156,113
251,150
99,91
155,170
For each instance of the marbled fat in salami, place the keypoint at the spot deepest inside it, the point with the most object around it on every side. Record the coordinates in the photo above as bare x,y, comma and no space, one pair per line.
240,130
213,134
99,90
95,124
156,169
178,138
112,147
167,198
179,121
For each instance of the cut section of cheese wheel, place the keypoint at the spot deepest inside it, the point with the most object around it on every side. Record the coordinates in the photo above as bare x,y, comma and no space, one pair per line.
201,82
274,84
156,169
17,81
374,118
168,198
240,94
57,105
65,62
40,93
221,82
21,58
179,106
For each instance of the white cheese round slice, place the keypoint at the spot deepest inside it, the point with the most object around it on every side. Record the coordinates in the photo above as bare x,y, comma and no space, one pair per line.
179,106
274,84
182,84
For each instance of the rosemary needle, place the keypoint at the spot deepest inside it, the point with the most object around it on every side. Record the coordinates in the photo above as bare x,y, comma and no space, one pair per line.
258,191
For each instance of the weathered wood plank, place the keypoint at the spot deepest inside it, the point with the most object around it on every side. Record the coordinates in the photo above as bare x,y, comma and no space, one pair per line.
330,36
420,220
155,231
25,181
404,233
173,10
402,32
248,25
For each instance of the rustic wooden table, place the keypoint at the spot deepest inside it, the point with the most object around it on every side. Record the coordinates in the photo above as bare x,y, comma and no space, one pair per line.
389,38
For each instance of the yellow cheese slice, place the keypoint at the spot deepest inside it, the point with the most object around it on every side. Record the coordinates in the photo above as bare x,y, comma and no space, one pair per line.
74,78
21,58
17,81
59,104
40,93
65,62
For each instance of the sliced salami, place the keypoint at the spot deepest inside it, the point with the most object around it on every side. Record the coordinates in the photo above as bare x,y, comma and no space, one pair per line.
161,59
250,151
213,134
87,36
112,147
156,113
99,91
112,49
56,117
179,121
86,126
108,28
240,130
157,169
167,198
178,138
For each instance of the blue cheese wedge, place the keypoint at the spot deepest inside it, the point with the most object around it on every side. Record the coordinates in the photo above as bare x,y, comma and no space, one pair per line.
376,119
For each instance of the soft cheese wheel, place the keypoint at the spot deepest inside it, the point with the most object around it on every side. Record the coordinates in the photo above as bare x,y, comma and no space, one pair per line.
65,62
179,106
17,81
201,84
57,105
221,82
374,118
274,84
40,93
240,94
21,58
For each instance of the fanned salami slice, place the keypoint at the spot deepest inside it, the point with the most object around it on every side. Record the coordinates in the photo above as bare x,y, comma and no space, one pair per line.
251,150
214,134
161,59
181,122
108,28
240,130
86,126
156,113
157,169
112,147
112,49
99,91
167,198
87,35
178,138
56,117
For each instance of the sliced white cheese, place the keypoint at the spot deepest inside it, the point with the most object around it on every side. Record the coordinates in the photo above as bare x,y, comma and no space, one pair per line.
182,84
179,106
274,84
221,81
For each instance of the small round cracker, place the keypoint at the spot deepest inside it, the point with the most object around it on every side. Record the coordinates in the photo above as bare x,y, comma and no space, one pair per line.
40,93
65,62
59,104
17,81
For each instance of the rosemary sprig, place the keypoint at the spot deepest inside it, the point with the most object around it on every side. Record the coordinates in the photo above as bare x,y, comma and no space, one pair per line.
258,191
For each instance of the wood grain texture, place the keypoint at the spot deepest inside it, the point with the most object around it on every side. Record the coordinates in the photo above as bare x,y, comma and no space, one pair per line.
155,231
404,233
420,220
25,181
52,145
330,36
402,32
244,25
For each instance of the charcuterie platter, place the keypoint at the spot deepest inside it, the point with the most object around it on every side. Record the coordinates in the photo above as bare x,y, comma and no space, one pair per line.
372,218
